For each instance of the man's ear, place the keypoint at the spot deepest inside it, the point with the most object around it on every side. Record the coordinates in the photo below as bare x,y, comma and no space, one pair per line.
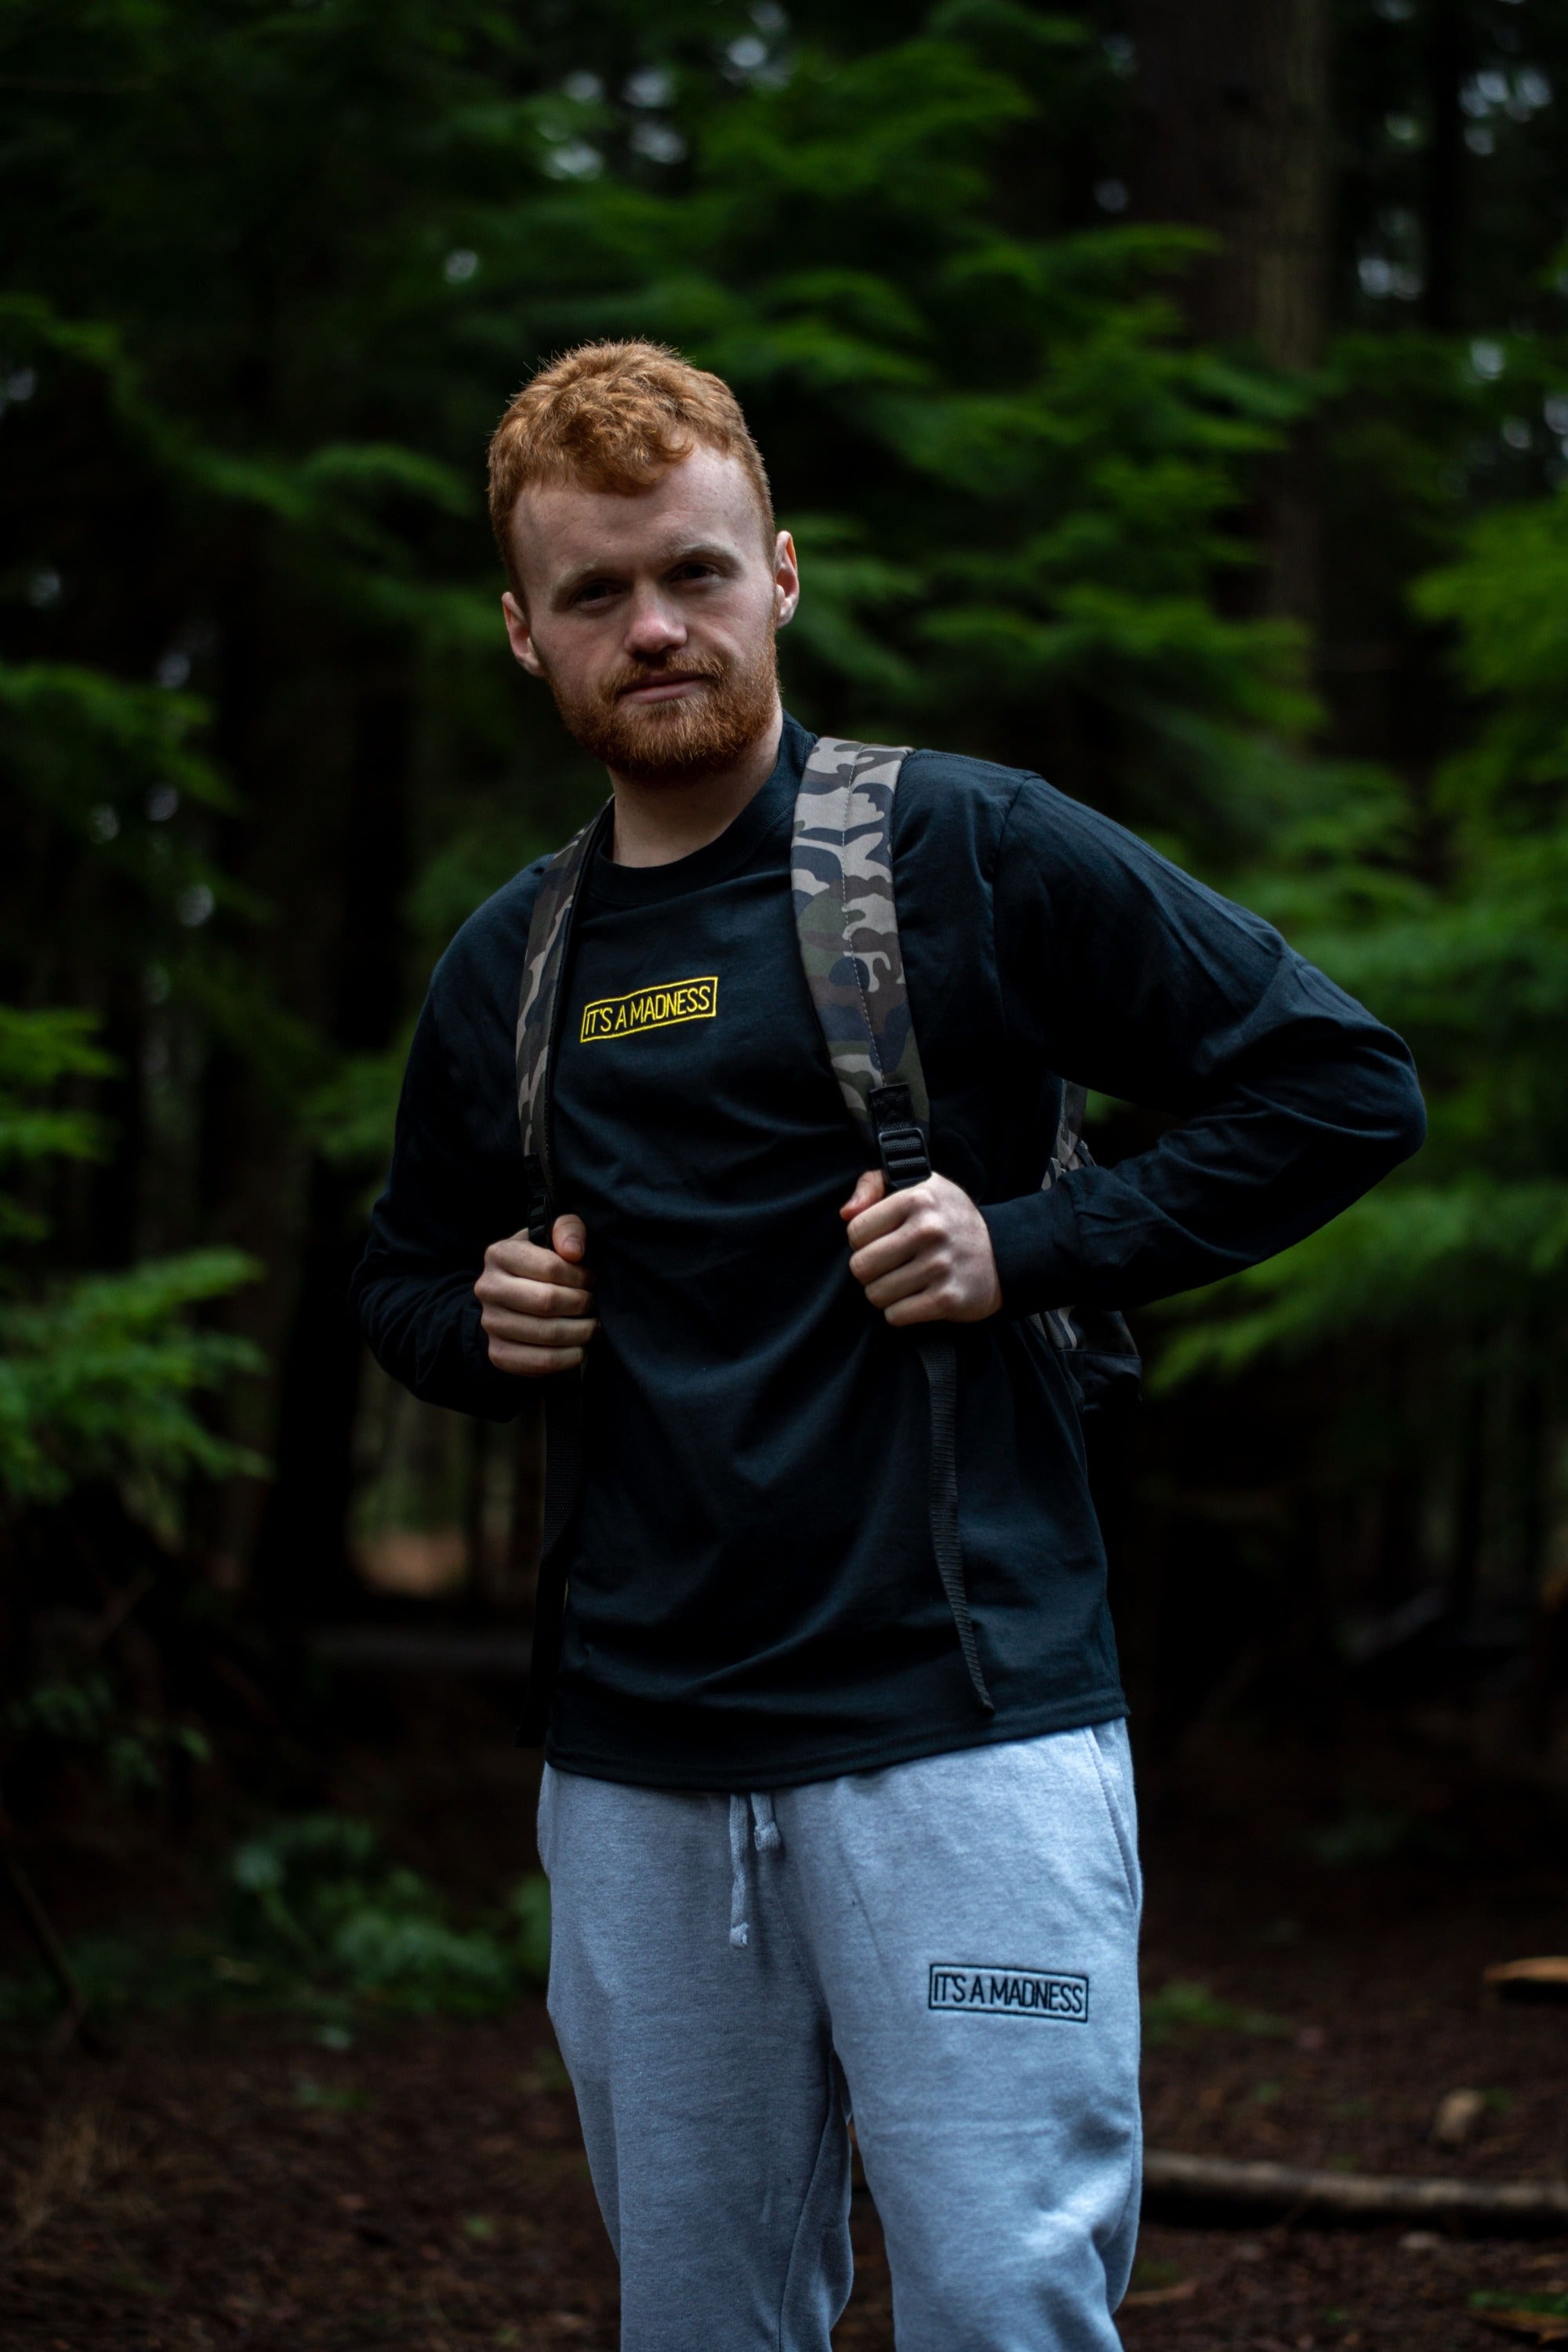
786,581
520,634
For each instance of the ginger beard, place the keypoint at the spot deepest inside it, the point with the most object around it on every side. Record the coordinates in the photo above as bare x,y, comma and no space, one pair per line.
676,742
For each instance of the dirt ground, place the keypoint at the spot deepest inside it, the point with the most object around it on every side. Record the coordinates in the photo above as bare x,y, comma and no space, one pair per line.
231,2181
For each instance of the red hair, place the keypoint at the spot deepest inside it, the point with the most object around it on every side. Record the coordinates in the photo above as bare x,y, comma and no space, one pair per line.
615,416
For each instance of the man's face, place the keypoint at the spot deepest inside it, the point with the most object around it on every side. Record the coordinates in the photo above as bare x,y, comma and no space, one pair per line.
651,618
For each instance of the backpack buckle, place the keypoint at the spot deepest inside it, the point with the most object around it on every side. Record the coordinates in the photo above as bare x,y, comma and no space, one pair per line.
901,1143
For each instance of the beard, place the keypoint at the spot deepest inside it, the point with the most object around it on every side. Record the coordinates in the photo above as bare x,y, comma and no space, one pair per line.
678,742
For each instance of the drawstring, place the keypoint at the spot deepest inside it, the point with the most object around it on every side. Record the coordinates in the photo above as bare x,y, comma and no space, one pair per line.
740,1930
754,1815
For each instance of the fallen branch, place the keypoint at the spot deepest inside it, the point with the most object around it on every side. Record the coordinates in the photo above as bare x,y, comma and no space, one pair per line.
1543,1979
1501,2208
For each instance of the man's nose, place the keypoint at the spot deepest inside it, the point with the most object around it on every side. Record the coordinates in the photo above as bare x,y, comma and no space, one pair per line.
653,628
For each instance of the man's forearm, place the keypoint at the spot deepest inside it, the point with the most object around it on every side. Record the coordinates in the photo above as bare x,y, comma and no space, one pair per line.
1276,1157
425,1331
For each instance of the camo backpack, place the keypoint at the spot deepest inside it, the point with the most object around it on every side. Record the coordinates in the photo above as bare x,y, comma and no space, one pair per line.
842,881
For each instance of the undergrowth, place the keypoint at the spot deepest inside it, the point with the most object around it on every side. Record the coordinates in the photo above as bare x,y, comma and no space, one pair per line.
1183,2005
316,1918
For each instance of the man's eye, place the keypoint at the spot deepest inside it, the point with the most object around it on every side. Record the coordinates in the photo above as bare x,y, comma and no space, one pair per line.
594,592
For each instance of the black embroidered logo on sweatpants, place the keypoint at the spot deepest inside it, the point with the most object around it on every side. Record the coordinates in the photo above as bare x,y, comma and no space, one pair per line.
1010,1992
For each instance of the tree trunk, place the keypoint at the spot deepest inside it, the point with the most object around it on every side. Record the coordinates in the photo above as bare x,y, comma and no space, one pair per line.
1232,134
1443,163
303,1563
1232,108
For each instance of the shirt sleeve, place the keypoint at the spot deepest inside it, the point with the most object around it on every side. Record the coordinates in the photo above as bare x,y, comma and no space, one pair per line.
442,1205
1142,984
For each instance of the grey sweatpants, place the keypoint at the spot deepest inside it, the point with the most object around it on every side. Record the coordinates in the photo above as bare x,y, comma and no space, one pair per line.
948,1949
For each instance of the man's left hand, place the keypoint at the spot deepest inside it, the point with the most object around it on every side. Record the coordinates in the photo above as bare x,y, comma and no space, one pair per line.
924,1256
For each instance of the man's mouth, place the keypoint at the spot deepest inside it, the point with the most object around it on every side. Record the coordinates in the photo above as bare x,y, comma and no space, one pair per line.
662,690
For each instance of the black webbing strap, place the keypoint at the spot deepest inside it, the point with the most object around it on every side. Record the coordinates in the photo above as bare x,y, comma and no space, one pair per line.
906,1160
563,1488
563,1483
940,1358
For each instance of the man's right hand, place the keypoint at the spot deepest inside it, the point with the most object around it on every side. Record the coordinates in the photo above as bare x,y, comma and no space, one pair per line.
537,1303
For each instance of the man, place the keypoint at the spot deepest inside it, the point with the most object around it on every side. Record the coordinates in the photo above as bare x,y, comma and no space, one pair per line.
796,1867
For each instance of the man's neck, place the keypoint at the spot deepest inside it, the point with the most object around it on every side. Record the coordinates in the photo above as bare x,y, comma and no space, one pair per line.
657,822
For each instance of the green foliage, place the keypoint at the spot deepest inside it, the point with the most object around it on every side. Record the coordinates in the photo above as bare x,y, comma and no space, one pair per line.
316,1903
37,1051
99,1378
1432,886
1471,963
82,1711
1531,2299
99,1375
103,1377
1429,1255
317,1920
351,1116
1185,2006
1503,598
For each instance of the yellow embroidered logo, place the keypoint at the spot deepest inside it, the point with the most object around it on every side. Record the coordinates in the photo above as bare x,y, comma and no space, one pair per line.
650,1008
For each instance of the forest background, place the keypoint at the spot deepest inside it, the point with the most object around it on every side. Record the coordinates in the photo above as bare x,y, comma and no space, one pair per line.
1172,398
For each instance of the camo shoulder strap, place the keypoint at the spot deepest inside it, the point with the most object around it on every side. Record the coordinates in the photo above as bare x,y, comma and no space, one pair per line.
543,968
549,934
846,919
841,874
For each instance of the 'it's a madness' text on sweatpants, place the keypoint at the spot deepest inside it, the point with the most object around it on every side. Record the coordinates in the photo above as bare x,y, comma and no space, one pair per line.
947,1949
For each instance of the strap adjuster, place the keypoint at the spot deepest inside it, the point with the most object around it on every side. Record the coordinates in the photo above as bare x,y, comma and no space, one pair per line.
901,1143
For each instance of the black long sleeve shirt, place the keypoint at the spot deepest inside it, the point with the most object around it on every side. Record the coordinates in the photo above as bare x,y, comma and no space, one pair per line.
753,1599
